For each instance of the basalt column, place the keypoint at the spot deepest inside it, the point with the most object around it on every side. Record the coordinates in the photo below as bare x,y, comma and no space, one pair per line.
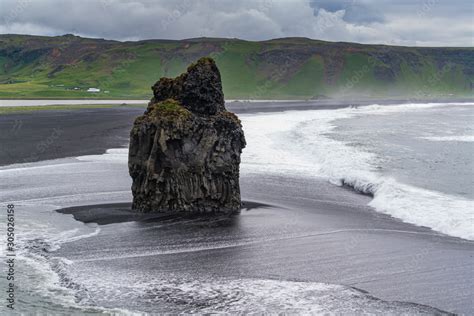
185,149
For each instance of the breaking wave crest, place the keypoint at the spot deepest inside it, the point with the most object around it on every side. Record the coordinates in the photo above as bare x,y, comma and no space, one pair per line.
458,138
300,143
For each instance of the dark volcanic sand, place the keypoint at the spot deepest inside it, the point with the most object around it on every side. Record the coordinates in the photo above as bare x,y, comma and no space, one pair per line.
121,212
315,233
51,134
318,232
45,134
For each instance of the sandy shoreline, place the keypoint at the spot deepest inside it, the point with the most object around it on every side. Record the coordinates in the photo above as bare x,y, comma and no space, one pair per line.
52,134
44,135
315,232
321,234
91,101
104,214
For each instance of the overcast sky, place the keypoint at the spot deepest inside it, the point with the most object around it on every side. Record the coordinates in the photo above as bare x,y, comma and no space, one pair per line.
400,22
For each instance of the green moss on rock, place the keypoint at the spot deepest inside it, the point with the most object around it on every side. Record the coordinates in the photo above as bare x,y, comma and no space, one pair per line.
184,152
169,109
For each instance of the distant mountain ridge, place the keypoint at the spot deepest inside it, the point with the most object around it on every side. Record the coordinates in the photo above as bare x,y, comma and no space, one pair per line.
287,68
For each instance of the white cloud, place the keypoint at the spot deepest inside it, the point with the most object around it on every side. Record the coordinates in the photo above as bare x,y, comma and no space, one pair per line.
428,22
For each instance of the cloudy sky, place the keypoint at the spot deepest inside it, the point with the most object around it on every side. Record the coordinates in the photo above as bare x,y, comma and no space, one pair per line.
400,22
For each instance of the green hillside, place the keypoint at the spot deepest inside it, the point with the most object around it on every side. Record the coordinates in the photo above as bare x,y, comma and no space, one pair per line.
288,68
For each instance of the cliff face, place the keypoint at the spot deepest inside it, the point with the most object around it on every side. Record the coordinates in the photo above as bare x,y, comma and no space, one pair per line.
185,150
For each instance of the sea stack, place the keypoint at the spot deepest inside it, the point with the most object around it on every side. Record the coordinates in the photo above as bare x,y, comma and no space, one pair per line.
184,153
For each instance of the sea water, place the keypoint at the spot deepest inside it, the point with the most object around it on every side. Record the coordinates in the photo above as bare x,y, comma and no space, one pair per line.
102,277
415,159
390,152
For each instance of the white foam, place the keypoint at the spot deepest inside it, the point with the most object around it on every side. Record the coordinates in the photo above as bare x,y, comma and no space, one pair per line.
118,155
69,236
454,138
53,290
296,142
291,142
189,295
444,213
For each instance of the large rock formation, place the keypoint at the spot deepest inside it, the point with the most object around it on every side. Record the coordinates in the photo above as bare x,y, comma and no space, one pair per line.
185,150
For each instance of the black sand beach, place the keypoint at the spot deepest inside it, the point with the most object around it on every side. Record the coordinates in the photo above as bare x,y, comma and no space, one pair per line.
321,234
52,134
46,134
305,232
121,213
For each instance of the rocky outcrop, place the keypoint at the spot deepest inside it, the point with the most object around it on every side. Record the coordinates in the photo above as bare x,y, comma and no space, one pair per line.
185,150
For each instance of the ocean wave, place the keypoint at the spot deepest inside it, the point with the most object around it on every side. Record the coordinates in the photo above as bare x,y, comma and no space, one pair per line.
49,289
299,142
453,138
186,294
46,285
111,155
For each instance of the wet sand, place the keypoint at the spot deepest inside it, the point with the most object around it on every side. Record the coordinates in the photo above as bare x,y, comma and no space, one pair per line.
104,214
307,232
52,134
46,134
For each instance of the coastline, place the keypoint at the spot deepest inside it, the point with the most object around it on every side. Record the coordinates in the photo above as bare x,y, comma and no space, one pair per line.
146,99
105,214
308,232
46,135
284,105
322,234
5,102
104,128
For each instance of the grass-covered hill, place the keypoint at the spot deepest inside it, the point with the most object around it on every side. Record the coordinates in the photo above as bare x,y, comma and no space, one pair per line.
287,68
